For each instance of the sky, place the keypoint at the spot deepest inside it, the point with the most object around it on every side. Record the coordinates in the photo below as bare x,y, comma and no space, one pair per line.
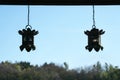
61,35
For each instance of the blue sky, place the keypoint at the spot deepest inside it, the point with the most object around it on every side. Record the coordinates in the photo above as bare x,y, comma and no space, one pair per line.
61,35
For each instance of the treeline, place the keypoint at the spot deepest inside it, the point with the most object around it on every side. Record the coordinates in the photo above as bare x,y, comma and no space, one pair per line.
51,71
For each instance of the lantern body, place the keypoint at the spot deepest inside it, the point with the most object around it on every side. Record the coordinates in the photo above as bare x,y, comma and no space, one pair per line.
94,39
27,39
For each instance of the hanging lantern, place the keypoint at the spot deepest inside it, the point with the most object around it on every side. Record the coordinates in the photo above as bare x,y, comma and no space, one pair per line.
94,37
27,37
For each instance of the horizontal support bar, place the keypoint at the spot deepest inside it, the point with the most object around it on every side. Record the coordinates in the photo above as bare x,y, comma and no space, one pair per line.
59,2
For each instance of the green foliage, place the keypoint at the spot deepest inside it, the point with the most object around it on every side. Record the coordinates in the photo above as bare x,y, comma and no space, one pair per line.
26,71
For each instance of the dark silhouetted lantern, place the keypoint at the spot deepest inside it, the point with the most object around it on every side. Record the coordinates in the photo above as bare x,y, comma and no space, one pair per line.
27,39
28,36
94,36
94,39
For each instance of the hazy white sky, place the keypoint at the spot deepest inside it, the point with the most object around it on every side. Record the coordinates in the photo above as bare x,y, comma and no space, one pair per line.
61,35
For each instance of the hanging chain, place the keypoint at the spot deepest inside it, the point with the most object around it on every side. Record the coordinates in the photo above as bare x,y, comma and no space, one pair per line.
28,17
28,13
93,18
